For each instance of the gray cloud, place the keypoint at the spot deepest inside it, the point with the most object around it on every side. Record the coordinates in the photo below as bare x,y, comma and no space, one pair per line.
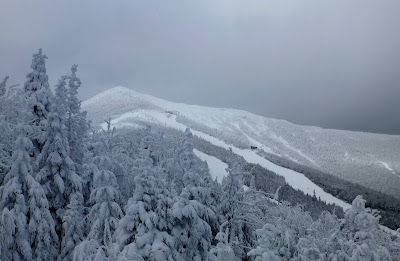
327,63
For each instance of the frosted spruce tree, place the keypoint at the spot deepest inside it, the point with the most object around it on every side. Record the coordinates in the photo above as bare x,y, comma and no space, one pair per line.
232,184
73,226
76,124
57,174
249,209
12,110
361,225
5,134
145,229
34,236
105,210
268,243
223,250
193,210
232,187
278,240
134,166
89,250
187,155
191,227
3,86
323,240
184,162
7,227
39,102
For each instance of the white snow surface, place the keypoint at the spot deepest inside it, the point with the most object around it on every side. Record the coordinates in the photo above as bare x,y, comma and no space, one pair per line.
216,166
388,167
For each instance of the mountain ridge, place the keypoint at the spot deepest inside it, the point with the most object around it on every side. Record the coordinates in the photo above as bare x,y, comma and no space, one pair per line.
132,91
365,158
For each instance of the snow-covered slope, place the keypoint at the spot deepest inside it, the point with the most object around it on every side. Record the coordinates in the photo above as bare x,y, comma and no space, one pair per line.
216,166
368,159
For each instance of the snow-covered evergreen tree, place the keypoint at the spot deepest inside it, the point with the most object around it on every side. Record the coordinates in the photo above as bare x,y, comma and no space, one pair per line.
3,86
105,211
279,239
7,228
87,171
89,250
145,229
193,211
249,208
361,226
191,227
223,250
270,245
39,101
324,235
77,125
193,219
187,155
184,163
34,237
231,208
57,174
232,184
73,226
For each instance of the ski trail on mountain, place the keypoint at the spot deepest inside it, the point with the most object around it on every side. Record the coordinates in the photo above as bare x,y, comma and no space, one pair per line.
294,179
216,166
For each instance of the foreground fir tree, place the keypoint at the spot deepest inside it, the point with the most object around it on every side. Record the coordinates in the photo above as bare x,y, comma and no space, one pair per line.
105,211
7,227
3,86
57,174
324,239
278,240
231,185
34,237
193,220
12,109
223,250
39,101
361,225
193,210
73,226
89,250
235,209
76,119
145,229
5,133
185,161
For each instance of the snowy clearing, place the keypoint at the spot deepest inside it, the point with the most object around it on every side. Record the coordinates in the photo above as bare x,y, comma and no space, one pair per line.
216,166
388,167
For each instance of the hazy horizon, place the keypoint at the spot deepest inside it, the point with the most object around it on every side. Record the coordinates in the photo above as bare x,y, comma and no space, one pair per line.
327,64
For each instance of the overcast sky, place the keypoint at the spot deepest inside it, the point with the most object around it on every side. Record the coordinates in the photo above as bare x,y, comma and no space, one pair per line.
333,64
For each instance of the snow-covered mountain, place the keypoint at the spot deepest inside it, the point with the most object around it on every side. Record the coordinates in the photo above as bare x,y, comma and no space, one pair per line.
368,159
